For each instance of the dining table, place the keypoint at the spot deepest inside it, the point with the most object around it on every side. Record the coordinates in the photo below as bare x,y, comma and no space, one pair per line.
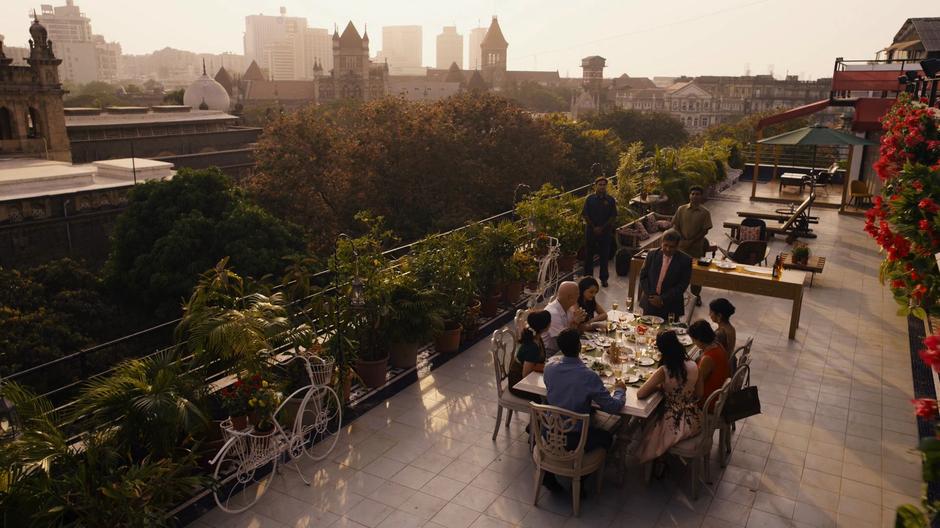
632,334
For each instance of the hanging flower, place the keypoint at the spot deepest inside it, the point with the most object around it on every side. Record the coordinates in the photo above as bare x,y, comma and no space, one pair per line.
924,225
928,205
925,408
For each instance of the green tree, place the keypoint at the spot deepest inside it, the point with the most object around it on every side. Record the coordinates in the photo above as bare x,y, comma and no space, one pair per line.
587,147
174,230
174,98
537,98
654,130
744,129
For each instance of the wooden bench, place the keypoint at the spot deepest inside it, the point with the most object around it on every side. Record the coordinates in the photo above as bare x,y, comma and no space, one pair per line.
632,241
795,225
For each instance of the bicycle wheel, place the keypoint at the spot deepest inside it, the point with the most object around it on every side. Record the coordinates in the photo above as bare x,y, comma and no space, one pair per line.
319,420
240,480
551,278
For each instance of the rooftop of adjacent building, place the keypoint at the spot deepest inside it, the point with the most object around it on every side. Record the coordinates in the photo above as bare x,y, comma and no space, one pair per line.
22,178
141,115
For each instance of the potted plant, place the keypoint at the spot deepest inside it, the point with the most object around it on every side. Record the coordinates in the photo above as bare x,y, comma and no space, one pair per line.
525,271
801,254
557,215
414,318
442,263
263,401
235,402
491,252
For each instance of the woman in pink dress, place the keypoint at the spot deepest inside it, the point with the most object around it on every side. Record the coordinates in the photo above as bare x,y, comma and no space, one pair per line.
679,379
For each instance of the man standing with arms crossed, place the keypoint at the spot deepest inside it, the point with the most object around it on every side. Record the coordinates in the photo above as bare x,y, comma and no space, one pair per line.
600,214
693,221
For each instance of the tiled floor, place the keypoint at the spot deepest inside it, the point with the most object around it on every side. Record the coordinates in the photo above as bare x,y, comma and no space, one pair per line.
832,447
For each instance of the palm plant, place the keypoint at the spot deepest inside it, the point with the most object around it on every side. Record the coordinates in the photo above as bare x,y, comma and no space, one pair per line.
150,406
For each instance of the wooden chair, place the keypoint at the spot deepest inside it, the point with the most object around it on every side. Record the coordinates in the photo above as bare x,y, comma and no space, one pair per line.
502,344
698,448
740,380
859,193
552,425
748,252
820,180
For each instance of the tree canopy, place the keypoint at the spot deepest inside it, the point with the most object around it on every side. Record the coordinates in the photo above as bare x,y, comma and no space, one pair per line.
174,230
654,130
425,167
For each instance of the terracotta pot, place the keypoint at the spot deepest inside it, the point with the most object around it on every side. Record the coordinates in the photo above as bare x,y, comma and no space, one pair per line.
513,290
490,305
372,373
403,355
566,263
239,423
532,285
473,309
448,341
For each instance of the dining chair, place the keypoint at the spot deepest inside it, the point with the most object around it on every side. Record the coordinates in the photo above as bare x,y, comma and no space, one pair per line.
501,345
739,380
552,425
741,355
859,192
697,449
734,237
519,323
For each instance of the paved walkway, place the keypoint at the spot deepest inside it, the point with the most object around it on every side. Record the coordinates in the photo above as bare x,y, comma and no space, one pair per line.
832,447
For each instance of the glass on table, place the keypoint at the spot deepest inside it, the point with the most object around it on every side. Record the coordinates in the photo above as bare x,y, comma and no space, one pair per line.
672,319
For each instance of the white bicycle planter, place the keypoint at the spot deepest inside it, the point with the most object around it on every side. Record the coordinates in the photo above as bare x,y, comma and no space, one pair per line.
549,275
242,469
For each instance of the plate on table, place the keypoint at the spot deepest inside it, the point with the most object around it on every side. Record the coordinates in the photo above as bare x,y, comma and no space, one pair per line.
726,265
646,361
680,331
685,340
602,341
631,379
650,320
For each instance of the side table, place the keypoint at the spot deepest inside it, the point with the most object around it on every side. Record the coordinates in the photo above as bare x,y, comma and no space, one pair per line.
814,265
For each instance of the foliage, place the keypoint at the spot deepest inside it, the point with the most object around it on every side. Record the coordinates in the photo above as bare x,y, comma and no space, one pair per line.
414,312
49,311
415,164
904,219
654,130
491,251
175,97
551,212
174,230
800,252
537,98
153,404
48,481
588,147
743,131
230,320
442,263
633,174
679,169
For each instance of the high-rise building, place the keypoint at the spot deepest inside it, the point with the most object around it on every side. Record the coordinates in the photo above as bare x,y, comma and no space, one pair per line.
285,47
474,57
86,57
401,47
449,48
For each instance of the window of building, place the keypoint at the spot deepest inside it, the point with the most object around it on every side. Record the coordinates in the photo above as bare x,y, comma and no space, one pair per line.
6,123
32,123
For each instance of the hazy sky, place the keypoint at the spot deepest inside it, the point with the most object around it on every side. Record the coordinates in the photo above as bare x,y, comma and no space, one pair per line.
638,37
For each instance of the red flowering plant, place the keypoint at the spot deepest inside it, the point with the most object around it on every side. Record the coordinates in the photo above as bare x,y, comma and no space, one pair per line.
904,219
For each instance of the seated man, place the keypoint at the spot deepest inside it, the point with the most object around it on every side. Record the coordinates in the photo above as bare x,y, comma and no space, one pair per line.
571,385
664,278
565,314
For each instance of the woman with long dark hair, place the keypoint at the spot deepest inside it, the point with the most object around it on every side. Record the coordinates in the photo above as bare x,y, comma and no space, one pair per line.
530,354
587,300
678,379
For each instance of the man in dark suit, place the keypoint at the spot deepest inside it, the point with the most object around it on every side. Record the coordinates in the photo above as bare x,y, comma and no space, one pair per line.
665,277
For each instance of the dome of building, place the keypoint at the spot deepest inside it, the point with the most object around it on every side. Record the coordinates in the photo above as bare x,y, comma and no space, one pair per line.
206,90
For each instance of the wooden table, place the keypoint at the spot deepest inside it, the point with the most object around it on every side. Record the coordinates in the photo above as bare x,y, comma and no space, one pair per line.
633,406
813,264
794,179
788,286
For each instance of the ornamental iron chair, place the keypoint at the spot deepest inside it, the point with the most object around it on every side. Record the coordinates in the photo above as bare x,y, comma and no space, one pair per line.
697,449
502,345
748,252
734,237
552,425
740,380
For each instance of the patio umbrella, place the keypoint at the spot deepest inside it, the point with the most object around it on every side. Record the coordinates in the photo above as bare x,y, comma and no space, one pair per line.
816,135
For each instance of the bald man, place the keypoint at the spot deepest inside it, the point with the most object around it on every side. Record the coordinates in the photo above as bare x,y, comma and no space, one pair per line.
565,314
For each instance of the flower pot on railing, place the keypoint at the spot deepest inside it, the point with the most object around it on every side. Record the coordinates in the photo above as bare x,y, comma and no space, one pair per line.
490,304
239,423
448,341
372,372
403,355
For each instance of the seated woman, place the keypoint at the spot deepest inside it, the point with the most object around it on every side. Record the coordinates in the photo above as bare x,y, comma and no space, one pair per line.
530,355
713,365
680,381
587,301
720,312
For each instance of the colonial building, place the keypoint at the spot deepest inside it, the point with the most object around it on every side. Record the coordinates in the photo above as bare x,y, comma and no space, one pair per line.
354,75
32,118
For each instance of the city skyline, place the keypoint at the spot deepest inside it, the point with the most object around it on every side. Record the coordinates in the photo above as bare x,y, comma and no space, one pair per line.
727,36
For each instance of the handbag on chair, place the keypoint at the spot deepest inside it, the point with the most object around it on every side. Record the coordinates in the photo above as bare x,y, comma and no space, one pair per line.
741,404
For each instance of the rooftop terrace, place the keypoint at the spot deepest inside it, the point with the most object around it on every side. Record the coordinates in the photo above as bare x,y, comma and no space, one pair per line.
832,447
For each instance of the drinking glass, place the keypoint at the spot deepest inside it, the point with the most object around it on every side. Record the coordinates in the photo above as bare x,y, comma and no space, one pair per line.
628,305
614,306
672,319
